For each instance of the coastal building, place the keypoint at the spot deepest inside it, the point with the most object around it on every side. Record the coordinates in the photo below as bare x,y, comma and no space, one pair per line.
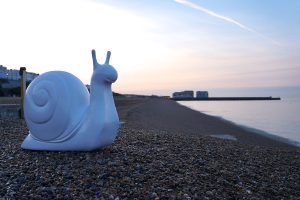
13,74
3,72
10,84
184,94
30,76
202,94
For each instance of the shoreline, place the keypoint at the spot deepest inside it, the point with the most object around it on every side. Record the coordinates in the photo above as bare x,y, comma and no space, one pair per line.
271,136
169,115
261,132
254,130
128,107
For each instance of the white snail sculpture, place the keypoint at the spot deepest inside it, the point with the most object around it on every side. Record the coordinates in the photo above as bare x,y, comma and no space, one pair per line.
61,115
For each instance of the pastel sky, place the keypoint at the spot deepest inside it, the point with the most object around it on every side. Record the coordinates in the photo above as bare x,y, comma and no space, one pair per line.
158,46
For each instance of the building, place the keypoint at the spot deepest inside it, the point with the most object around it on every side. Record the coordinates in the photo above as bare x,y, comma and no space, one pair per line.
10,84
184,94
3,72
13,74
9,74
201,94
30,76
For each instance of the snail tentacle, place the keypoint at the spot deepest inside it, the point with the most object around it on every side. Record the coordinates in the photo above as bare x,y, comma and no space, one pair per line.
107,57
95,63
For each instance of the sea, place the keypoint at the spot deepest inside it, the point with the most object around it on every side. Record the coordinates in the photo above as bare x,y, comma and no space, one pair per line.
279,119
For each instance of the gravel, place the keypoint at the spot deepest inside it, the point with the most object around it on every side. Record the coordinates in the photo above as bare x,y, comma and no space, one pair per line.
148,164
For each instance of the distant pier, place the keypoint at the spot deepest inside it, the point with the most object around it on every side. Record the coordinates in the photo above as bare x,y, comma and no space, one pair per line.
227,99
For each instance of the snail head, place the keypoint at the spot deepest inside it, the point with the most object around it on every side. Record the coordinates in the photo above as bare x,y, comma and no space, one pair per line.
104,72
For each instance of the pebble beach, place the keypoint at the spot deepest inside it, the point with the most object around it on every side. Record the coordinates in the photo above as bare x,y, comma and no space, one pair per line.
162,151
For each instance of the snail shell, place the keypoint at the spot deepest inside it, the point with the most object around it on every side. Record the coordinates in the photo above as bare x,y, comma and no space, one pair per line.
55,105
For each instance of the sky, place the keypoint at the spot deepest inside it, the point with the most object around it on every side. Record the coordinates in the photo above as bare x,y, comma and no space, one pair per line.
158,46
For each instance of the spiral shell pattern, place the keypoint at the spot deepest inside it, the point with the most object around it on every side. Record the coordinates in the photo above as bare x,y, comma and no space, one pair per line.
55,104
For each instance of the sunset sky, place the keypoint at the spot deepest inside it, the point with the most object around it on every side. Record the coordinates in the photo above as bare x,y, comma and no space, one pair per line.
158,46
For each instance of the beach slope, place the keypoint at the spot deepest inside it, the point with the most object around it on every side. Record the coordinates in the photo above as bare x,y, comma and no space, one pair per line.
164,114
162,151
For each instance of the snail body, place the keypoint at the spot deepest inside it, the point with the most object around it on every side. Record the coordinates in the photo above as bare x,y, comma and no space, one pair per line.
61,115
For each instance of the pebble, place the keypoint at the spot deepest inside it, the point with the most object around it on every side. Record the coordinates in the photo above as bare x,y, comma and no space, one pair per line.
153,195
147,164
186,197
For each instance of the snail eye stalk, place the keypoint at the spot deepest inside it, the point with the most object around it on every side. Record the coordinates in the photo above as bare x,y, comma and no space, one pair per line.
107,57
95,63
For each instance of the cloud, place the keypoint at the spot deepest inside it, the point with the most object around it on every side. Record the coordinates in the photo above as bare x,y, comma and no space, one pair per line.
224,18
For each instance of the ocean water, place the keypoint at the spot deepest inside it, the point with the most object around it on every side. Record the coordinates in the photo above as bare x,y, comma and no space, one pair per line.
279,118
